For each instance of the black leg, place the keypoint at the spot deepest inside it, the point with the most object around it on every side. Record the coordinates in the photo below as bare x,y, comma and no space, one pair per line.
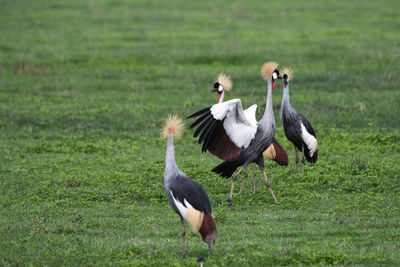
297,158
233,185
183,237
254,179
302,159
269,187
246,174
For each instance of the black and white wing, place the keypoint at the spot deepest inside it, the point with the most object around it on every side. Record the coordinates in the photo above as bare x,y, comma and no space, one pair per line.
191,202
225,128
188,194
309,139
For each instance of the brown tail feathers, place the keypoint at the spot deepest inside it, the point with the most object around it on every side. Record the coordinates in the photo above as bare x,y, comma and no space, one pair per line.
208,230
277,153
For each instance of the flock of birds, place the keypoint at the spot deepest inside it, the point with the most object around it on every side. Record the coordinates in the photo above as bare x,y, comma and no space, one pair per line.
234,135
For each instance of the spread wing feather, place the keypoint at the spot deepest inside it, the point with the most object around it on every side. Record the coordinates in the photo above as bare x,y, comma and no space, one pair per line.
225,128
208,136
239,126
204,110
199,120
203,126
221,145
209,128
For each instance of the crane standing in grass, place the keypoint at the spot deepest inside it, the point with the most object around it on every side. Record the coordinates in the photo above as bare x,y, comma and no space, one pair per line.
298,129
234,135
274,152
186,197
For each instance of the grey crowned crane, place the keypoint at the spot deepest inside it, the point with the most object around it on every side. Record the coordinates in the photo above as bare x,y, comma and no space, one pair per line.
187,198
298,129
274,152
233,134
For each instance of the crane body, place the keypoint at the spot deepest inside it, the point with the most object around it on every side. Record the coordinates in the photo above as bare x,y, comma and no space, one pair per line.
187,198
297,128
235,136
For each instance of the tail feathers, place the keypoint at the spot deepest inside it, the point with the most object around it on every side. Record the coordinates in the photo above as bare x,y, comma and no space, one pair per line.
312,159
277,153
208,229
226,168
281,156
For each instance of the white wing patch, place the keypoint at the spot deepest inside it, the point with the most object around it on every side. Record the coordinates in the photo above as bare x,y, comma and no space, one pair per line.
251,113
309,139
190,214
220,110
239,125
182,209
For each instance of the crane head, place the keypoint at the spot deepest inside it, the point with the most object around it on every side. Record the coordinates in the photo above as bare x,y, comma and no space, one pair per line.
218,88
269,71
275,76
285,79
223,82
287,75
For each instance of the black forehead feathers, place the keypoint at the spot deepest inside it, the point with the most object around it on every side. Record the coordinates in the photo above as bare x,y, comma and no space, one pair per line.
216,85
277,72
285,76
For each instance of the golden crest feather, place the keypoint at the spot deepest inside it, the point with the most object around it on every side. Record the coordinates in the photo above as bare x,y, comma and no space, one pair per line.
173,126
288,72
267,69
225,81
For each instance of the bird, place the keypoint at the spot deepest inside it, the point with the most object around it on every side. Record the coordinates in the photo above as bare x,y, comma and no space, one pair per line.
187,198
297,128
234,135
274,152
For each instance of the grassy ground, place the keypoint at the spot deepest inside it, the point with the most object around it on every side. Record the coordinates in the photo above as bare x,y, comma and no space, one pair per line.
84,89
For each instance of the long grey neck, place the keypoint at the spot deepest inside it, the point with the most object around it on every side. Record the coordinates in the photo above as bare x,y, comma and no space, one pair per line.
170,164
268,119
221,99
286,109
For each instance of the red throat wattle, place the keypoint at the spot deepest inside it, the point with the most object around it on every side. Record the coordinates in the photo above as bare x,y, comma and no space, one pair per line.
273,85
219,97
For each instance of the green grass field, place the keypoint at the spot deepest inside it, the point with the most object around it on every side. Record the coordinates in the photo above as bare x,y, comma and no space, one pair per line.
86,85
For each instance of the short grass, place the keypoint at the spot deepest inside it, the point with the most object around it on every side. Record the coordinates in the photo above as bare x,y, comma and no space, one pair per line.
84,89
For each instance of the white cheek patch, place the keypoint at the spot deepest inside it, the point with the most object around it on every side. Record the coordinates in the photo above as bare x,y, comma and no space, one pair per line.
309,140
220,88
274,76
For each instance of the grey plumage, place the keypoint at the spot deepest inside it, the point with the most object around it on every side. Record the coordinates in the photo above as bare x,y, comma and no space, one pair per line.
182,187
297,128
187,198
253,152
